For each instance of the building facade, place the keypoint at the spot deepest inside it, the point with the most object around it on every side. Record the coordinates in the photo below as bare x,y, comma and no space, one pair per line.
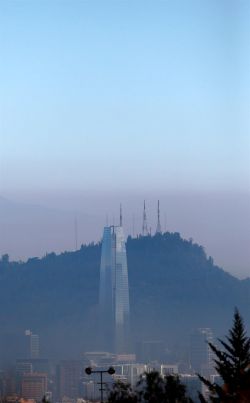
34,386
33,345
201,356
114,291
69,375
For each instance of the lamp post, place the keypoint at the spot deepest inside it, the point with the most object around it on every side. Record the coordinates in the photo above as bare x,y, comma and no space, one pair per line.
109,371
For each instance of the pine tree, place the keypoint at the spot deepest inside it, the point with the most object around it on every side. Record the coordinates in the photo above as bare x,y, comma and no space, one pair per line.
175,391
232,363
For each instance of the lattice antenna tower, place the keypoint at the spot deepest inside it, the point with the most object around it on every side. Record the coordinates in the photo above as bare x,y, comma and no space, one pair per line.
144,221
158,227
120,215
76,233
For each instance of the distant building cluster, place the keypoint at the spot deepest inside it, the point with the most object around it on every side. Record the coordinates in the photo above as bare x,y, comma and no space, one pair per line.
33,379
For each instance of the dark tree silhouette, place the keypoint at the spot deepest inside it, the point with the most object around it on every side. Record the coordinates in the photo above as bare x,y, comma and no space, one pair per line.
151,388
155,389
233,365
123,393
175,391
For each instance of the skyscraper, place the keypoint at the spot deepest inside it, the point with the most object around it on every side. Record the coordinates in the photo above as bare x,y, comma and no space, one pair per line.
201,355
33,344
114,293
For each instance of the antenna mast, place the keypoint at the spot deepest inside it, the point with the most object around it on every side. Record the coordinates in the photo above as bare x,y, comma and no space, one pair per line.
158,227
76,234
144,221
120,215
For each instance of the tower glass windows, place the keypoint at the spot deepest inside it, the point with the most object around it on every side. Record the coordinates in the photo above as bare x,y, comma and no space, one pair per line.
114,292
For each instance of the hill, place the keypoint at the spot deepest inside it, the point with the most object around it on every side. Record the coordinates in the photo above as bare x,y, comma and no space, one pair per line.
174,287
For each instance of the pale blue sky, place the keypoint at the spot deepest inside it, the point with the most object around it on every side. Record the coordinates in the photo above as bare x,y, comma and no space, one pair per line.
125,93
119,97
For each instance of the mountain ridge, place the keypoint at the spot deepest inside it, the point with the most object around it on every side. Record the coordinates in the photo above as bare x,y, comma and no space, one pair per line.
174,288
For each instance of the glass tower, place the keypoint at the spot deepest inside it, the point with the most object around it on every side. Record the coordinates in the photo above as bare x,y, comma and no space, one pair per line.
114,293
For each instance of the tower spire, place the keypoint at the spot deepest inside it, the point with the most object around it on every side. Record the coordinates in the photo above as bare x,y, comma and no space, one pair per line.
144,221
158,227
120,215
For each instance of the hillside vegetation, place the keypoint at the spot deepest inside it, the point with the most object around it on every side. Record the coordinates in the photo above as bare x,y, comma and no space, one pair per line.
174,287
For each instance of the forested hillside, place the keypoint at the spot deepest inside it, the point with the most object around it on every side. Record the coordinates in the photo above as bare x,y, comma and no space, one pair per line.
174,288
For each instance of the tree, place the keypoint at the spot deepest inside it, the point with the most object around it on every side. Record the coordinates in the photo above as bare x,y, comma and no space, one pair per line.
155,389
233,365
175,391
151,388
123,393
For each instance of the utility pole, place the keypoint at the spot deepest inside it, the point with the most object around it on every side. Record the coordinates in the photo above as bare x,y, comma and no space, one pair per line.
109,371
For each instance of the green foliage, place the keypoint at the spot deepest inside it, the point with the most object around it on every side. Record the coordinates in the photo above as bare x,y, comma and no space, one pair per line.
151,388
175,391
232,364
58,294
123,393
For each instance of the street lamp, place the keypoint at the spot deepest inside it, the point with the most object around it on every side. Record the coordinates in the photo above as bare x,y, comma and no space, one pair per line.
109,371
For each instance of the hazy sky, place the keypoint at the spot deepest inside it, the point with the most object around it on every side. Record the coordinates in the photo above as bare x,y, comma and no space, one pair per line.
126,98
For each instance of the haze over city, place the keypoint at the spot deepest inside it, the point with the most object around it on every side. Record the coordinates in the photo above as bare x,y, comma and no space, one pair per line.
109,102
124,201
